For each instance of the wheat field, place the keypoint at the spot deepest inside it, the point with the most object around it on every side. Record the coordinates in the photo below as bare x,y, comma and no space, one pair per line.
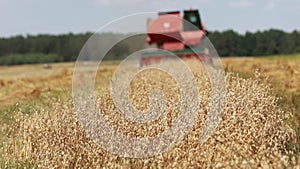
259,127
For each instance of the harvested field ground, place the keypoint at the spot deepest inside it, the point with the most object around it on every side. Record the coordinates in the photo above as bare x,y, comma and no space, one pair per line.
259,128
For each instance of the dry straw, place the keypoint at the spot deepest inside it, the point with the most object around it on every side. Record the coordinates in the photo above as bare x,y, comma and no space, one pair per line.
252,133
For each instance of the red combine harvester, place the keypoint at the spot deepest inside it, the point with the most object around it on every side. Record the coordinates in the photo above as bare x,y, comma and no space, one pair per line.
171,32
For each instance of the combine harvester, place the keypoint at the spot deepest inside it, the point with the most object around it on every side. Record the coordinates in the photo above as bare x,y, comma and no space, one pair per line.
180,36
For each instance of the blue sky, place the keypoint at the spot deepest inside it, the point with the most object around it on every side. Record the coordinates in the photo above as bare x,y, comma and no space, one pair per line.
63,16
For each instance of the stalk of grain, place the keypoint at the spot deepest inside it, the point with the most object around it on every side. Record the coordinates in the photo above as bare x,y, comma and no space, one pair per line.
252,132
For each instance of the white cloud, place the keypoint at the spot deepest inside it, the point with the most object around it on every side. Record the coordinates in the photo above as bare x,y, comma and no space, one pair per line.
103,2
281,5
166,5
205,1
242,4
271,5
120,2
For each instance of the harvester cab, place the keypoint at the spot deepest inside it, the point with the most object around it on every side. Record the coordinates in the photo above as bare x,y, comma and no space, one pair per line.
193,17
176,34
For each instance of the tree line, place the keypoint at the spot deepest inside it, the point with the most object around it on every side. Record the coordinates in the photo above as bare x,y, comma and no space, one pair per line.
66,47
270,42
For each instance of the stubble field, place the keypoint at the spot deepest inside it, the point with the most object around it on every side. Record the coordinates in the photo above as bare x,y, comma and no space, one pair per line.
259,127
